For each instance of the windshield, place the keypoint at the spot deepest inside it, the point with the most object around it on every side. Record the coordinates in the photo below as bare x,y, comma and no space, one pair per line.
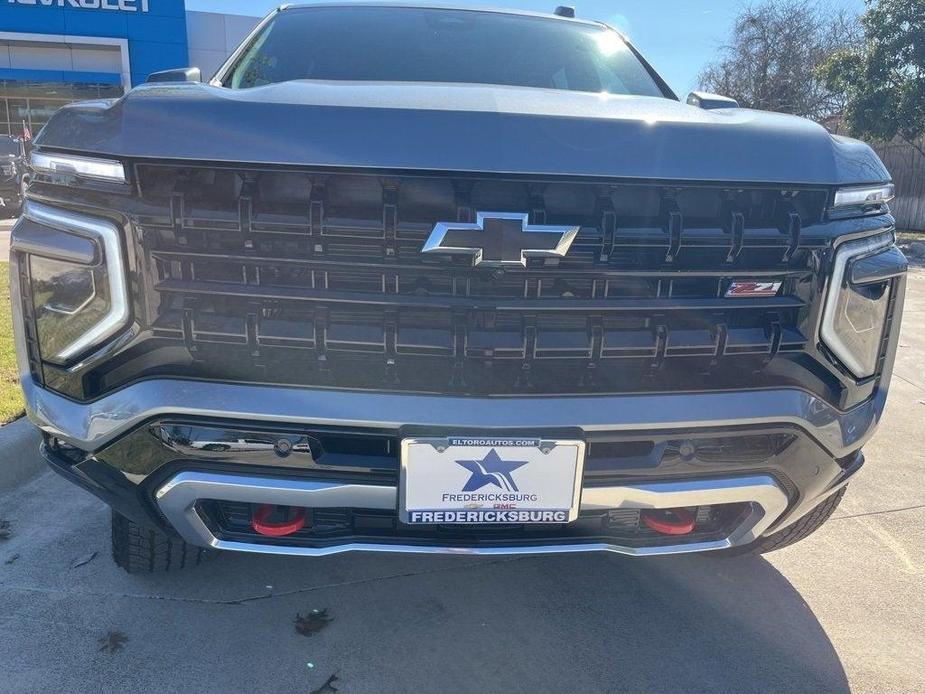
401,44
9,146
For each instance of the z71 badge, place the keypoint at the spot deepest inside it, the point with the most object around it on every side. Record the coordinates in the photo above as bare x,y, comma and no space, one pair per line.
751,289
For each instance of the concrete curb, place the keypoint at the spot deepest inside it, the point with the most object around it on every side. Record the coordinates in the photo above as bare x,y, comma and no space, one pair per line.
19,454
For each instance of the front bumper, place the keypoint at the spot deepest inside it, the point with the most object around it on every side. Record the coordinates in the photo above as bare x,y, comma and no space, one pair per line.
117,450
178,500
92,426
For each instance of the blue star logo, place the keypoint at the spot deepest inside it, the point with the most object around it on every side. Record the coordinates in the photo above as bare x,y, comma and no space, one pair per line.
491,470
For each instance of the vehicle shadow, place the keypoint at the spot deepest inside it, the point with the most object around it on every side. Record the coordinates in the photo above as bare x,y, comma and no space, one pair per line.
705,623
570,623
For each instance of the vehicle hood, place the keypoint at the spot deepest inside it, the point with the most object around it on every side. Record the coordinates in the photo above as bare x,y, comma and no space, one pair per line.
477,128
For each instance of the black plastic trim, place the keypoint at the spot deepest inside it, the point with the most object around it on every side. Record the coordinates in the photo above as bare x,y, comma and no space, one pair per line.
878,268
46,241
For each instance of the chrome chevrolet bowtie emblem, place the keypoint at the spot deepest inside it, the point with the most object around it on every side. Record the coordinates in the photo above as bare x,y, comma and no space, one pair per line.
500,239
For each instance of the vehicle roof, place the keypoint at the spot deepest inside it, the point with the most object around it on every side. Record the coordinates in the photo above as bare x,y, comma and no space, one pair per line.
437,6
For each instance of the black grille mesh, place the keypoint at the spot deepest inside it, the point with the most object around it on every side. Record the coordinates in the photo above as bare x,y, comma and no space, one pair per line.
319,279
330,526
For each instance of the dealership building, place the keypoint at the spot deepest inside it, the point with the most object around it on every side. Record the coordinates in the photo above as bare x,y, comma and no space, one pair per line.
56,51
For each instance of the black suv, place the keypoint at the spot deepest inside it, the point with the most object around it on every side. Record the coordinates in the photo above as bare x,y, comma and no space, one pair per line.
432,280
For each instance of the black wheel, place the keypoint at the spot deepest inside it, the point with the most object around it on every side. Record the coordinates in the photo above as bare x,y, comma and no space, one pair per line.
138,549
803,528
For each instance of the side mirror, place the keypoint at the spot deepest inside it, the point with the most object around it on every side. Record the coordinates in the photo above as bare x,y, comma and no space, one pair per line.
183,74
710,101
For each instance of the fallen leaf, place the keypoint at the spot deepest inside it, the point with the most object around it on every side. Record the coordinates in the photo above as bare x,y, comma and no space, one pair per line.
113,642
6,531
313,622
328,687
11,560
77,563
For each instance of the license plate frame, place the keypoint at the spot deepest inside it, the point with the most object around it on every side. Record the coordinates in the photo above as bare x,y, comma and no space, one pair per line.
561,462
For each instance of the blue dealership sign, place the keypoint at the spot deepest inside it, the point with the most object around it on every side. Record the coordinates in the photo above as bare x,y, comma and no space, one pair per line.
155,30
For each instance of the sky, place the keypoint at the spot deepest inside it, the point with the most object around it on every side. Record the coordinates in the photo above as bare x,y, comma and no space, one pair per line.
678,37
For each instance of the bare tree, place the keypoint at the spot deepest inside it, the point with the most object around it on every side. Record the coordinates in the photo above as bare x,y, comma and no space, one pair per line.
772,60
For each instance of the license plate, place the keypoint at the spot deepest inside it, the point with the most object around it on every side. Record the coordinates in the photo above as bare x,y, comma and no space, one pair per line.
476,480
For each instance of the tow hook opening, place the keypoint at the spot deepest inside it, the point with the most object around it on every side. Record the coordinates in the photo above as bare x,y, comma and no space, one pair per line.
669,521
278,521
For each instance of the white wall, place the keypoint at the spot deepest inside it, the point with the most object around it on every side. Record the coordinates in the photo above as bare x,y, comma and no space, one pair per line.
213,37
66,52
26,55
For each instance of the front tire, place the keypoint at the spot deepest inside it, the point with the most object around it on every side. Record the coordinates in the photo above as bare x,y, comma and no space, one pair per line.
138,549
790,535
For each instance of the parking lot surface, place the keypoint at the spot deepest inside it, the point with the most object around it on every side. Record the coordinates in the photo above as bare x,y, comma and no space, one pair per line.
841,611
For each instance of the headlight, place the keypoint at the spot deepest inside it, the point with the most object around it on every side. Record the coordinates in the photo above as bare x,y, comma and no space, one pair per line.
857,301
78,279
86,167
863,199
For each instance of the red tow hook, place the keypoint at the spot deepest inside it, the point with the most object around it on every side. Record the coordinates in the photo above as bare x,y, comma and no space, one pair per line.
668,521
261,516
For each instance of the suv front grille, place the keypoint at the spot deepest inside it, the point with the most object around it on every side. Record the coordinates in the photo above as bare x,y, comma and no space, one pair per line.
318,279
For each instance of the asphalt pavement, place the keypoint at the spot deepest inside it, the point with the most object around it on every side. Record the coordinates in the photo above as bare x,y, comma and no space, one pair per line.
841,611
